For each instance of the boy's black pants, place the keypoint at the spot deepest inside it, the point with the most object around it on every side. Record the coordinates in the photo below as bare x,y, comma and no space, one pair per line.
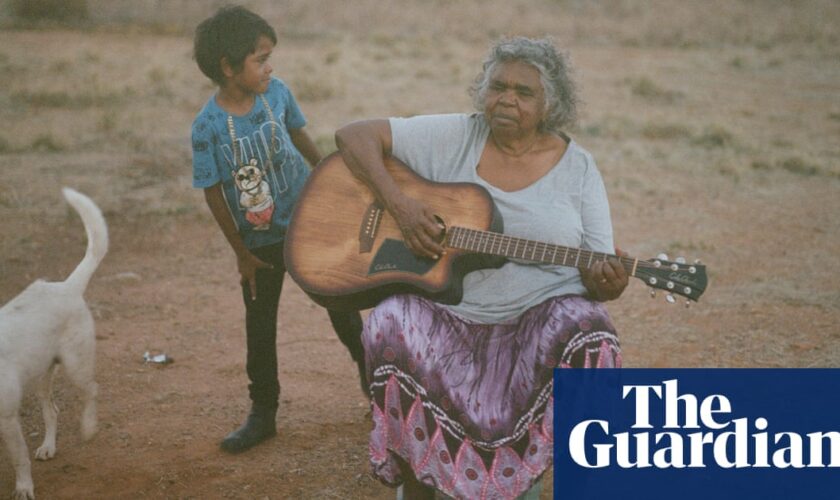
261,328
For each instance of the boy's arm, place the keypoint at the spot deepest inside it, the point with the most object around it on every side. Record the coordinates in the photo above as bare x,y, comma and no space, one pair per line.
304,144
246,262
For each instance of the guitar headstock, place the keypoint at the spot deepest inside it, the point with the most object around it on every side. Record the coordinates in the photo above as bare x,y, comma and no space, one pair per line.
677,277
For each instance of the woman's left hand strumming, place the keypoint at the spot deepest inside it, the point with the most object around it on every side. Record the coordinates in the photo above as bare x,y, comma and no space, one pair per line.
606,280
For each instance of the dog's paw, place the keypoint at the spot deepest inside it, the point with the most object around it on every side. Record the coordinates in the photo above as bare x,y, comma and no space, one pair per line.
89,421
88,430
24,493
45,452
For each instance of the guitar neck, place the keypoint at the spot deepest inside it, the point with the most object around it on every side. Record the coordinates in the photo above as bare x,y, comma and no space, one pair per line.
502,245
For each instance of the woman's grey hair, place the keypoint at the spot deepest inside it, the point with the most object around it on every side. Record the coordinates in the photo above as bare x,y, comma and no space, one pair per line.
559,89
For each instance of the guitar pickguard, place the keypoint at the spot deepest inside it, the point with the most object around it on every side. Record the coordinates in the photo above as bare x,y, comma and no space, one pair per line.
393,255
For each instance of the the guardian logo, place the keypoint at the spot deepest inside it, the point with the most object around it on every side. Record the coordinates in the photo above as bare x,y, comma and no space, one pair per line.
693,432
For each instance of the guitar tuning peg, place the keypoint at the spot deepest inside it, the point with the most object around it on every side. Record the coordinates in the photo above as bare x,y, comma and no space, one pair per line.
680,260
652,293
687,304
662,256
670,299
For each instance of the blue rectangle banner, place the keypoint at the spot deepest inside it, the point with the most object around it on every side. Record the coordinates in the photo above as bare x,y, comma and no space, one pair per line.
697,434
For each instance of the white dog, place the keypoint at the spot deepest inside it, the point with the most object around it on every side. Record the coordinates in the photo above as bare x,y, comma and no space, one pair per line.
48,325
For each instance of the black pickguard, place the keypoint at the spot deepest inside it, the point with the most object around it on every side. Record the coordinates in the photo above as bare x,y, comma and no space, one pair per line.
393,255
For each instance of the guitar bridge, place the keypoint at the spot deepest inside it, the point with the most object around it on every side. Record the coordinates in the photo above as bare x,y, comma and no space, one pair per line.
370,224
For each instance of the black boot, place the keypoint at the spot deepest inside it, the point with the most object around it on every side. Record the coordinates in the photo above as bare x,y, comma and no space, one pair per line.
257,428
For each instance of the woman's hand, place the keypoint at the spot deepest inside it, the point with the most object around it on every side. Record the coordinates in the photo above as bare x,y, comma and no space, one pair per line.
418,225
248,264
606,280
363,146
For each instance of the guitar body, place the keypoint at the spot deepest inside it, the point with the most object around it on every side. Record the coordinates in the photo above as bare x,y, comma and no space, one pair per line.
347,252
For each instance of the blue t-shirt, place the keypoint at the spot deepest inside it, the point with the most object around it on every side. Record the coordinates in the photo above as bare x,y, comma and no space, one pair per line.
260,195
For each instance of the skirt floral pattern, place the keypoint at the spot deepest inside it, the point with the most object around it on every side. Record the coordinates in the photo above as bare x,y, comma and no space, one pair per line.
469,406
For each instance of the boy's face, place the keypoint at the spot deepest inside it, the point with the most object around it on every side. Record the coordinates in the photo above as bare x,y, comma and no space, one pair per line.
255,74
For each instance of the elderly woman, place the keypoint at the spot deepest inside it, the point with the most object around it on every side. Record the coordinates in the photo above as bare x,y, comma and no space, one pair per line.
462,395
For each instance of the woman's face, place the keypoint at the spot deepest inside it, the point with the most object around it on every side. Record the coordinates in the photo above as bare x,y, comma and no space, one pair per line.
514,101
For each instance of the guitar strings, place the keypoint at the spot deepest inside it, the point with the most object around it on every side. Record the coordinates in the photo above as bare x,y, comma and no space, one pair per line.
475,240
489,242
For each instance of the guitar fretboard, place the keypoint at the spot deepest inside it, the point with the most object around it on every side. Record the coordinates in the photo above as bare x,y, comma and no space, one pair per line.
491,243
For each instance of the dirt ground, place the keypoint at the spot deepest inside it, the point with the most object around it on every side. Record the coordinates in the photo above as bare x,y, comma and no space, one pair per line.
715,126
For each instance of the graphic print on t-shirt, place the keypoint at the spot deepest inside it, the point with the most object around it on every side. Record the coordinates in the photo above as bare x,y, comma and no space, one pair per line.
256,178
254,195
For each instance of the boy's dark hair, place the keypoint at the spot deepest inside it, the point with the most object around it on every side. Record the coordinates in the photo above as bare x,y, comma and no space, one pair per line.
231,32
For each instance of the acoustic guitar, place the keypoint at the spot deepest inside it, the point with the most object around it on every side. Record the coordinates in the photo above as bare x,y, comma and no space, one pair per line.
346,251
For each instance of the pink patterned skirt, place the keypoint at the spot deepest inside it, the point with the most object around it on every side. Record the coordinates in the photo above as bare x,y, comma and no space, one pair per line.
468,406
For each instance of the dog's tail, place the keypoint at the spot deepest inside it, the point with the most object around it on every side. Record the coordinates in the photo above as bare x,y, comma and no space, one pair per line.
97,236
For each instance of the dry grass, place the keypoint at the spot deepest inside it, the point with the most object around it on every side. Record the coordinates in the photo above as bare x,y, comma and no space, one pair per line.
647,89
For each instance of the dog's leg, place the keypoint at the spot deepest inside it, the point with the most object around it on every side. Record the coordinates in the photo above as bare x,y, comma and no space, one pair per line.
50,412
16,445
79,367
89,410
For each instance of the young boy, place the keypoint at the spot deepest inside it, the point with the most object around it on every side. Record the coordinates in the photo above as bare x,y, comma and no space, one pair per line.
248,155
